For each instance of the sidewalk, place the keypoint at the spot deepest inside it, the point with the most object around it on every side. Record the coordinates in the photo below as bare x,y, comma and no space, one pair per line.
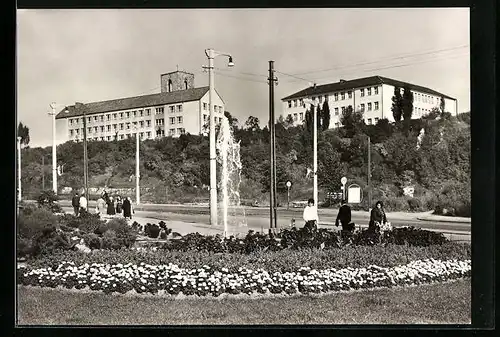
422,216
441,218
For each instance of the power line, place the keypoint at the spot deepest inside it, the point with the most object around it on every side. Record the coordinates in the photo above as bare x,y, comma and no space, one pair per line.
242,73
390,66
240,78
401,56
297,77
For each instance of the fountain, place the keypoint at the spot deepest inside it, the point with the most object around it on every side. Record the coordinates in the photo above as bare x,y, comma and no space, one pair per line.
228,157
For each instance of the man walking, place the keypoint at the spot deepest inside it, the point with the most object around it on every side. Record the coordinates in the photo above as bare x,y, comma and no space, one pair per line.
75,202
344,217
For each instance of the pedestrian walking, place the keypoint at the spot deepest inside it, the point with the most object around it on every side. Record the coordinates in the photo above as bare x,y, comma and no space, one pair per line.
100,205
377,217
75,202
119,205
127,208
111,206
311,215
83,204
344,217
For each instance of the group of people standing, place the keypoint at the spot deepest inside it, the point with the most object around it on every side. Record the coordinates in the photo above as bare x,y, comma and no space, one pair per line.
79,204
377,216
105,205
108,205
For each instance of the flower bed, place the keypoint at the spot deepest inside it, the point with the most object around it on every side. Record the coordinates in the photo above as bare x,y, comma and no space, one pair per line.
172,279
283,260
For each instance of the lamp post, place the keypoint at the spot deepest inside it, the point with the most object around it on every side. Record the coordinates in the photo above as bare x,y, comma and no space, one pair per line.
54,155
18,169
137,176
211,54
315,150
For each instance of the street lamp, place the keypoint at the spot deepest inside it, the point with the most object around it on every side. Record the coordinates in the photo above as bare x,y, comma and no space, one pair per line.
137,176
53,106
315,150
211,54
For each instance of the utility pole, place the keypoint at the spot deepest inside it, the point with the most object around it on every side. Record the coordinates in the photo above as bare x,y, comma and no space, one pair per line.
315,155
137,189
54,155
85,159
273,214
369,177
211,54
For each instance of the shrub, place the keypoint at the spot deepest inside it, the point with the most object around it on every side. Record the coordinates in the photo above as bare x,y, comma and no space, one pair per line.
163,234
32,221
24,247
47,199
455,198
153,231
93,241
110,240
86,222
395,204
50,240
414,204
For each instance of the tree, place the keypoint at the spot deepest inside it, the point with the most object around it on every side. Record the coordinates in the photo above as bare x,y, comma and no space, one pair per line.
352,121
309,119
233,121
319,118
288,121
325,116
397,108
252,124
24,132
407,103
442,104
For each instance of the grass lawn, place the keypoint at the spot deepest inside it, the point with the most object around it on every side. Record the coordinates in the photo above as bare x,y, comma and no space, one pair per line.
446,303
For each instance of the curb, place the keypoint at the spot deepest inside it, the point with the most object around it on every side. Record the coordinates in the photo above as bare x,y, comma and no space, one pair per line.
453,220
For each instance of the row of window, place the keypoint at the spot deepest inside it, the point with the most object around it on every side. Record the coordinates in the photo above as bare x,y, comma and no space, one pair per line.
122,126
336,96
219,119
297,117
126,114
142,135
425,98
217,108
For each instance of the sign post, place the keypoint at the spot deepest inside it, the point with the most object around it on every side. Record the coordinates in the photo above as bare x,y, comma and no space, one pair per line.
288,184
343,181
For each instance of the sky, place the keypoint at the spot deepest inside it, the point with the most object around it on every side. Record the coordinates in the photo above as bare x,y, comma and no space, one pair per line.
68,56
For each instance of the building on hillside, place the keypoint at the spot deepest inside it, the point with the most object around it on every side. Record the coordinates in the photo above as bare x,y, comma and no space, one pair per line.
179,108
371,95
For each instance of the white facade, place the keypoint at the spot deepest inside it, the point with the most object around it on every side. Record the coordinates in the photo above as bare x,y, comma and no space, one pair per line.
374,101
152,121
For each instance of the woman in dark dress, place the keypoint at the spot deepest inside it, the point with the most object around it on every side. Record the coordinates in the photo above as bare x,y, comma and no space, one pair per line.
119,205
377,216
111,207
127,208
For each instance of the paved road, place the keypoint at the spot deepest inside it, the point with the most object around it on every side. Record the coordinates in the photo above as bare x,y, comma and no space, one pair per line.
258,218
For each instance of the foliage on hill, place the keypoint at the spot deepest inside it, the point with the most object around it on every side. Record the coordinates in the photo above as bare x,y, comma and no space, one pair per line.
178,169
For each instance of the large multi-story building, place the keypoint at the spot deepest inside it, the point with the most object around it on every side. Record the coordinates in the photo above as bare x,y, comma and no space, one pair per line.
371,95
179,108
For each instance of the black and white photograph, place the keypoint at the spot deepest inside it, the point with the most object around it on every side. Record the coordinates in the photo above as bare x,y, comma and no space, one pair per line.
245,166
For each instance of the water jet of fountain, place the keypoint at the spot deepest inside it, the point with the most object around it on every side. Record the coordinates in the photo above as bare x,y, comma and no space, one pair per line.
228,157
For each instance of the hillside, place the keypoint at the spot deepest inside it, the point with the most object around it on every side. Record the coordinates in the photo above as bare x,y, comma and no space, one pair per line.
177,170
